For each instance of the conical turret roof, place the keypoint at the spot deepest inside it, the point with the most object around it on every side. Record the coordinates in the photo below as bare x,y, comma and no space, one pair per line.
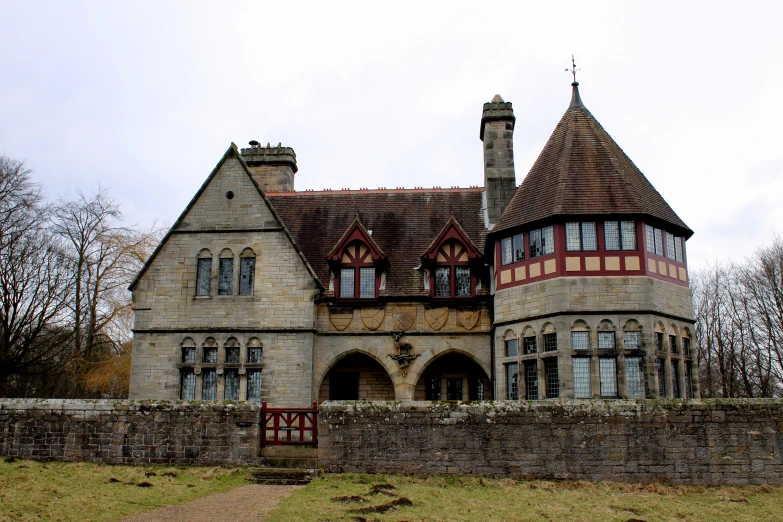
582,171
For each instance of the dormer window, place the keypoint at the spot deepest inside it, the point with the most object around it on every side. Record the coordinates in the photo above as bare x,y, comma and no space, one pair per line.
356,262
449,259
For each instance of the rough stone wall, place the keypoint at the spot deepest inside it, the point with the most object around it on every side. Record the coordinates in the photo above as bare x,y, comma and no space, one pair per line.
710,442
130,432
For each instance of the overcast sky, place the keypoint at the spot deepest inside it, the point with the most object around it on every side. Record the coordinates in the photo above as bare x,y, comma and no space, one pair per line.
145,97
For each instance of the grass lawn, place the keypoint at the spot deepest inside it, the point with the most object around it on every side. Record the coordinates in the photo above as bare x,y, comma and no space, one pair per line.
31,490
399,498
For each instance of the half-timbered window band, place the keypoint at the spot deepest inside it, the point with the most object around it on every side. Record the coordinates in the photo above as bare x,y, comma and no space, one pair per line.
442,281
452,273
512,249
542,241
628,230
670,246
357,275
581,236
347,282
367,282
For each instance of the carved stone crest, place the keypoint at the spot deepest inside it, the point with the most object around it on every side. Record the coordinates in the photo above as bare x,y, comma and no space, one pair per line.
404,318
436,317
372,318
404,357
468,318
341,320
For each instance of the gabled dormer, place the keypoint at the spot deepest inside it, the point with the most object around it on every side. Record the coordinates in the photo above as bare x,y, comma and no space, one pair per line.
452,260
357,263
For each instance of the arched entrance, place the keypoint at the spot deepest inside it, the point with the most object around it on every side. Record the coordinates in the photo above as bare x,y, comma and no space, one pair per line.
453,377
356,377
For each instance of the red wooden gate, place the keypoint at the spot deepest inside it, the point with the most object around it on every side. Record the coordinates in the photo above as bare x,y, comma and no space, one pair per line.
289,426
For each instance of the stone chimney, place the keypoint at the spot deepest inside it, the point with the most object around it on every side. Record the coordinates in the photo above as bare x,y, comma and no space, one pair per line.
272,167
497,133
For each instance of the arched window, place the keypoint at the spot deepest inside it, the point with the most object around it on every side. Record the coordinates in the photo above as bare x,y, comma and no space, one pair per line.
686,342
225,272
529,341
606,336
512,344
231,348
660,333
254,351
188,350
210,349
550,337
452,271
632,335
580,336
673,348
357,273
203,273
247,270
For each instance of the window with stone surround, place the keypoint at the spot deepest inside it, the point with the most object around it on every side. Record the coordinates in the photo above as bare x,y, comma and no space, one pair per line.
231,389
542,241
254,349
606,340
225,272
686,342
659,346
550,342
512,381
581,236
512,249
530,343
580,340
632,340
661,378
676,380
673,343
254,385
231,347
209,385
454,389
531,380
188,348
688,383
634,377
247,270
581,376
476,391
210,350
188,385
607,373
203,273
551,377
512,349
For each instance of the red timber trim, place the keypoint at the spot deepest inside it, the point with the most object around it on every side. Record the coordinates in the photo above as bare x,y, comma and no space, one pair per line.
455,248
674,271
350,246
599,262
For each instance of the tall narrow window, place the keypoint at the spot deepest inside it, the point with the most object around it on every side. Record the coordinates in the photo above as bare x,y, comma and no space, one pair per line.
659,341
357,273
452,275
232,385
188,390
628,229
203,276
512,381
688,383
247,268
225,274
531,346
649,235
208,385
254,386
552,379
367,282
254,353
686,345
634,377
676,380
612,235
512,348
678,249
658,242
661,379
580,340
573,237
347,282
581,370
542,241
476,392
606,340
670,246
189,354
462,281
632,340
608,376
433,389
442,281
454,389
550,342
673,343
531,380
581,236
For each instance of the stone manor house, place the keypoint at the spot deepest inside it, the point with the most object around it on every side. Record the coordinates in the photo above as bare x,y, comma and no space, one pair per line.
573,284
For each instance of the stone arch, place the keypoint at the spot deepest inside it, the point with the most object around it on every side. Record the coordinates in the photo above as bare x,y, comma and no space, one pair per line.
606,325
659,327
247,252
528,331
374,353
209,342
509,334
632,325
204,253
452,375
548,328
188,342
580,325
364,377
226,253
187,349
433,354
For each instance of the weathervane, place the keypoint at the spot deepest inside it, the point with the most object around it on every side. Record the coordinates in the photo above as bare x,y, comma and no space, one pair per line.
573,68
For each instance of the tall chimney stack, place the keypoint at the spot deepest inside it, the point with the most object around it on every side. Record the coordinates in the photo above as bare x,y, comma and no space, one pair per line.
497,133
272,167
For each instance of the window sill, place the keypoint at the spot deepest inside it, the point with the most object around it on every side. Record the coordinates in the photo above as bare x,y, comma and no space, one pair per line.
201,297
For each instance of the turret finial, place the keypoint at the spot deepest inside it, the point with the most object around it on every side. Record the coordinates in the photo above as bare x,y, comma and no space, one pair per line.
573,70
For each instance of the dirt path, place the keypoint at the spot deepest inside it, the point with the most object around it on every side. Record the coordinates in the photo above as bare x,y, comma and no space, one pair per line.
252,502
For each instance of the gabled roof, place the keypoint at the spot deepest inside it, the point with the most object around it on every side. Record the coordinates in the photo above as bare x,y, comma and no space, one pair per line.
231,152
452,230
356,232
404,222
582,171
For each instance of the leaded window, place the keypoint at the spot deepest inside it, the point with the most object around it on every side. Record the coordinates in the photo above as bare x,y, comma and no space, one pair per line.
512,381
454,389
512,249
209,385
678,249
634,377
476,392
581,371
254,386
189,354
606,340
531,346
658,242
203,276
550,342
232,385
580,340
676,379
632,340
462,281
551,377
225,274
254,354
442,281
628,230
673,343
210,355
347,282
581,236
232,355
531,380
661,379
659,341
247,267
433,389
649,235
542,241
607,369
669,246
686,345
188,387
612,235
367,282
512,349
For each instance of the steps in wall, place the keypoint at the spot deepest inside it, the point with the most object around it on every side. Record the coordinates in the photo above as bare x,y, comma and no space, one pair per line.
283,476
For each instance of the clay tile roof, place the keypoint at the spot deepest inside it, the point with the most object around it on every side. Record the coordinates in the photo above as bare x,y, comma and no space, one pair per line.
582,171
403,223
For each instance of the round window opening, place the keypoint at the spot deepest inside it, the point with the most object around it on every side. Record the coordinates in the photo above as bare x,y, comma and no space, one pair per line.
229,195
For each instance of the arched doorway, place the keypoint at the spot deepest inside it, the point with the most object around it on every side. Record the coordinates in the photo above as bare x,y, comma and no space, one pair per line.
453,377
356,377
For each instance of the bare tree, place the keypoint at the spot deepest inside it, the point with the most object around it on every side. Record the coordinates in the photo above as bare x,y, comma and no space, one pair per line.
32,282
